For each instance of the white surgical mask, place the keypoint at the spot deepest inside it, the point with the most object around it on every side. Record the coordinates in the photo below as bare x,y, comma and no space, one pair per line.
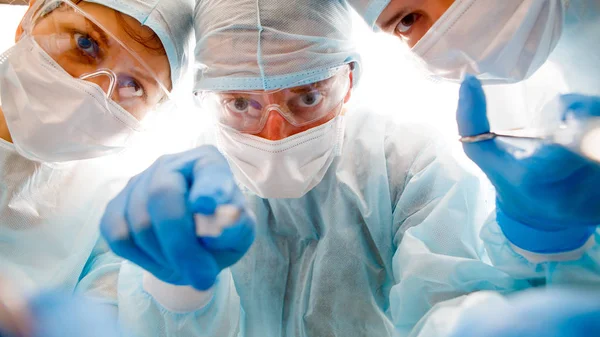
500,41
53,117
286,168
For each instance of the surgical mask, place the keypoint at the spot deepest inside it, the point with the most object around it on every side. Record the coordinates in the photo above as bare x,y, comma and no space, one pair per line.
53,117
287,168
498,41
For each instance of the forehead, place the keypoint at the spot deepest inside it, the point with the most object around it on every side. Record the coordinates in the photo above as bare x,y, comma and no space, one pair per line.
139,39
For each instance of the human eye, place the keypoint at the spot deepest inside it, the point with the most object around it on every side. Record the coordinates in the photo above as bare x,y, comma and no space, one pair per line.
309,99
87,46
129,88
238,105
407,22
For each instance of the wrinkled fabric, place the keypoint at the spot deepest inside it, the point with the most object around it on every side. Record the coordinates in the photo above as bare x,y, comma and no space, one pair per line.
48,218
49,215
391,234
269,44
171,20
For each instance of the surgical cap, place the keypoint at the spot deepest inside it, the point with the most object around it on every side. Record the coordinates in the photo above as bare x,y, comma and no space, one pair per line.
171,20
271,44
369,10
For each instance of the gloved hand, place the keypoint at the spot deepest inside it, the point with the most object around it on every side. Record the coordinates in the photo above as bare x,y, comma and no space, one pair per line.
547,201
58,313
549,313
151,222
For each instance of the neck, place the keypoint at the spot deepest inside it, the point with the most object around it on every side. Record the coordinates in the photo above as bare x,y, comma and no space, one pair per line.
4,133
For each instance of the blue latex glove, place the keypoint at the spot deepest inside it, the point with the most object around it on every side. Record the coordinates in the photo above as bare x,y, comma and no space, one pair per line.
58,314
547,313
547,202
151,222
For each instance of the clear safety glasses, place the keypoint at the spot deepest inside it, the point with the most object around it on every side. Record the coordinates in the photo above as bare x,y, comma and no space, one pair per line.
248,111
98,46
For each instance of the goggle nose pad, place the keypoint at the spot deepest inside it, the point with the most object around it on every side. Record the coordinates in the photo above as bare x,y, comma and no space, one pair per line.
104,72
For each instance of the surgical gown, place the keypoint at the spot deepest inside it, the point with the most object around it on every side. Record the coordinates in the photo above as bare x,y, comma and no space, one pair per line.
390,243
49,218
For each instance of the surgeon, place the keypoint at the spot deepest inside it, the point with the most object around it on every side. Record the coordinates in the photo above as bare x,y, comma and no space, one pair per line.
75,91
547,194
343,224
454,38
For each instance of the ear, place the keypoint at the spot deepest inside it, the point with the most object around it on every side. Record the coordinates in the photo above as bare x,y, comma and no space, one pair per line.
19,32
349,94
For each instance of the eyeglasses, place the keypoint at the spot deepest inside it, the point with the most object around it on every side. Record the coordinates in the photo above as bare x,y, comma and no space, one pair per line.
300,105
82,47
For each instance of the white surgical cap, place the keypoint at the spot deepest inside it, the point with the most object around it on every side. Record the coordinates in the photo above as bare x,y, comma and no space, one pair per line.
171,20
271,44
369,9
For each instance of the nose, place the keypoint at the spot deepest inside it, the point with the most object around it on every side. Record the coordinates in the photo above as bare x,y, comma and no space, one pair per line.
105,79
276,127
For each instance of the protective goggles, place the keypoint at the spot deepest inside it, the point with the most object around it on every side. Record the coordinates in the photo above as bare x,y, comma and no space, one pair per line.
83,47
301,105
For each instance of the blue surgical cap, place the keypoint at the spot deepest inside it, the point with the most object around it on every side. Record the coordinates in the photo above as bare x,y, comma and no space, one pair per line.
271,44
171,20
369,10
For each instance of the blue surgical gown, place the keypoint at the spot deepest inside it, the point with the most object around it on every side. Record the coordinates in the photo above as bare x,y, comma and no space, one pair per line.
392,242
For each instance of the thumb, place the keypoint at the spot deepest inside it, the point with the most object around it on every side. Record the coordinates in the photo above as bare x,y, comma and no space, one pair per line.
472,108
213,183
472,120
